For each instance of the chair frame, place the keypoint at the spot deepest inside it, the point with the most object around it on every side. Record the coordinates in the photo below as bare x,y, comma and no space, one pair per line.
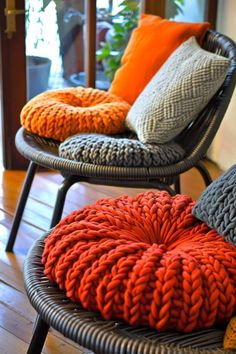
195,140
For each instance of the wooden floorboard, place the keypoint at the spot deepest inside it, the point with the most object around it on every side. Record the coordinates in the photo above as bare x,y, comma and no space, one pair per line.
16,314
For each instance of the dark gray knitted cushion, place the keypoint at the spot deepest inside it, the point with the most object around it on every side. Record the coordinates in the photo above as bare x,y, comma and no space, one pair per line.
119,151
217,205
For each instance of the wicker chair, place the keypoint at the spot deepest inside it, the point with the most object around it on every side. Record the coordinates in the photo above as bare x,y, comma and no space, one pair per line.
195,140
92,332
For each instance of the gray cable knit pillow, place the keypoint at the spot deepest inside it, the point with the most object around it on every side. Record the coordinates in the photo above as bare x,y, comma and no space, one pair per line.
177,93
217,205
119,150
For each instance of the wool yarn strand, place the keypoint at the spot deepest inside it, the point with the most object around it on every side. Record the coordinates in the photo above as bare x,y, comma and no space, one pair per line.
146,260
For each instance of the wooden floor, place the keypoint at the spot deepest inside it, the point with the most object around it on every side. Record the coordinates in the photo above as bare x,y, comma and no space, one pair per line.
16,314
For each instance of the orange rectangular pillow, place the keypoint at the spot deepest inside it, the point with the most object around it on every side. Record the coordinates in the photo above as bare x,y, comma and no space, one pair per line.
150,44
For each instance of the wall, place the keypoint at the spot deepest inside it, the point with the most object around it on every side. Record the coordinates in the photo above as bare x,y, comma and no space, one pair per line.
223,149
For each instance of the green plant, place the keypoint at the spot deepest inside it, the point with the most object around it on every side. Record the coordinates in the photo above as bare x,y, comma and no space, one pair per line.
123,24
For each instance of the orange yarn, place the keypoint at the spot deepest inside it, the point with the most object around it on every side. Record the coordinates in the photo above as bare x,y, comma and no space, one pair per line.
145,260
59,114
230,335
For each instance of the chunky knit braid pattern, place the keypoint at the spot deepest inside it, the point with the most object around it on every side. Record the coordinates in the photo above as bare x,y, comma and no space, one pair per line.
146,260
119,150
216,206
59,114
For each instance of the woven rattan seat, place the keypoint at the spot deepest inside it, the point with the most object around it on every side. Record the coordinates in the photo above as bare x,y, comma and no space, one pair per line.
90,331
194,140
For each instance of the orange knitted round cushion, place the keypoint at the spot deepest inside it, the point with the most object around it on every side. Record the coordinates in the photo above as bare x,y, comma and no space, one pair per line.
59,114
145,260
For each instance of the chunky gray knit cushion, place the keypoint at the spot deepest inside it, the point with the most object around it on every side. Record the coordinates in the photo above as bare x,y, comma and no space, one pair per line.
119,150
217,205
177,93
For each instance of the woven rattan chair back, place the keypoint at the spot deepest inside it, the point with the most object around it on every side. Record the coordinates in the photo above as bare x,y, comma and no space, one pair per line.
197,137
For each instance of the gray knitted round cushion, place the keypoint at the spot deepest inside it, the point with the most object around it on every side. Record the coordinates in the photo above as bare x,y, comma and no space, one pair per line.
119,150
217,205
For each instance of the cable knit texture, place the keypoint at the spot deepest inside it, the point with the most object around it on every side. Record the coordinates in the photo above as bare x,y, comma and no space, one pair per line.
177,93
59,114
122,150
217,207
145,260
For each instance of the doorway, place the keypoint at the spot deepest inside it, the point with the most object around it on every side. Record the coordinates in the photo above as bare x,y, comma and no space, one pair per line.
69,21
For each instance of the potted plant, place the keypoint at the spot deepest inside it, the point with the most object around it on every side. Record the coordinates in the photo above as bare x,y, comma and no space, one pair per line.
124,21
37,71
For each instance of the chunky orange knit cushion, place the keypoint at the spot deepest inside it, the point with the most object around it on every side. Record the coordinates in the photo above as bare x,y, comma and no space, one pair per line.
59,114
145,260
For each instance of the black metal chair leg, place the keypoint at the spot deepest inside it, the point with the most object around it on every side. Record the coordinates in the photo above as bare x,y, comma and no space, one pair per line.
40,333
21,205
162,186
177,184
204,173
61,196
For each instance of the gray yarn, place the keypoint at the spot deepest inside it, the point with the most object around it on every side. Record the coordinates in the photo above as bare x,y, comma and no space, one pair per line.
217,205
119,150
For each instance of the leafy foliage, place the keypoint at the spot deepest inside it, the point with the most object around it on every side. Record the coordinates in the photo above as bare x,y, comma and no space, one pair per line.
113,49
124,22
